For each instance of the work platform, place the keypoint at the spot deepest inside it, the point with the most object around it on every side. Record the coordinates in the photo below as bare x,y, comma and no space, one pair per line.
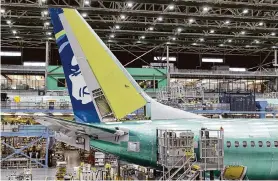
18,143
19,69
188,73
185,156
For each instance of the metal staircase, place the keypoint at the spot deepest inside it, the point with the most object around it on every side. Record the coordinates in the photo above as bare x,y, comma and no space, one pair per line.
190,175
185,172
177,157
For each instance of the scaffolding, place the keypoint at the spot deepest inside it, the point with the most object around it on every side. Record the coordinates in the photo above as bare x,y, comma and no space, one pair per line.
211,149
25,146
177,156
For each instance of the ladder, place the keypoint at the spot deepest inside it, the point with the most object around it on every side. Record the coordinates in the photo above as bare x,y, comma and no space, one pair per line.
188,174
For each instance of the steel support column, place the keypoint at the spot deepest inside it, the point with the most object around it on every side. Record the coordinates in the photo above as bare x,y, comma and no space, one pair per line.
47,147
168,68
46,64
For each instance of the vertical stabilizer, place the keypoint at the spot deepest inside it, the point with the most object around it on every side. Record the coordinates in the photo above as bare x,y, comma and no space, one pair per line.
95,59
111,89
83,107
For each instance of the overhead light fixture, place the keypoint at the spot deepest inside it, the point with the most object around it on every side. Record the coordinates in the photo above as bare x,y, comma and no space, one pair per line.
205,9
117,27
43,1
48,33
142,37
39,64
122,16
84,15
129,4
151,28
229,40
9,22
179,30
247,46
257,41
87,2
233,69
242,32
46,23
273,34
10,54
112,36
158,58
221,45
171,6
174,38
227,22
194,44
2,10
17,37
45,12
245,11
213,60
49,38
261,23
211,31
160,18
14,31
191,20
201,39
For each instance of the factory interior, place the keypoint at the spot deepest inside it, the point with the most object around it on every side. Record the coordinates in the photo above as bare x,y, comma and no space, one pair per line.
139,90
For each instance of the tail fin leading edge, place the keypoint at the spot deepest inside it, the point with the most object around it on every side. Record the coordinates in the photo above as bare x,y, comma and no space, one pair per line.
83,107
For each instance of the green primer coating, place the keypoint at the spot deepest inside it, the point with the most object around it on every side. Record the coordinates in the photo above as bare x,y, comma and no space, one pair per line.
261,162
55,72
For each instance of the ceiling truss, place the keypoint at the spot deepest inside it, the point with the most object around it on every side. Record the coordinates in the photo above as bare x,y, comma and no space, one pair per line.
188,26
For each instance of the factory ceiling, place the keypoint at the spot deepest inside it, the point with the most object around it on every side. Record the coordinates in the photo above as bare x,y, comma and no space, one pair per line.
245,27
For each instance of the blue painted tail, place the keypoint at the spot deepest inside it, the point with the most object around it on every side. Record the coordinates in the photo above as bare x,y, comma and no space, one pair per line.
83,107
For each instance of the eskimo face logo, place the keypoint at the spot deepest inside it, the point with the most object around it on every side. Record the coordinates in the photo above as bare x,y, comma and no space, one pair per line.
79,87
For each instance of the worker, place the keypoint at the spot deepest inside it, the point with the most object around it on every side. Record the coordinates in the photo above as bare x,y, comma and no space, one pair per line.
108,171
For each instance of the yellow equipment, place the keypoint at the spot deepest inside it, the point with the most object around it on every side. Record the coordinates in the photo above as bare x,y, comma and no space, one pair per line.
17,99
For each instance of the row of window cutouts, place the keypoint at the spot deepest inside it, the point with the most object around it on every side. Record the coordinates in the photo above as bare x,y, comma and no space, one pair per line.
252,143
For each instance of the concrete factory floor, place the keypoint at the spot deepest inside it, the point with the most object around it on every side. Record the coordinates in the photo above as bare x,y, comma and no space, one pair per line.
72,159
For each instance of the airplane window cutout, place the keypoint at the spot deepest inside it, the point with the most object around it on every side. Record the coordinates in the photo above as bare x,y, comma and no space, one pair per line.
244,143
276,144
260,143
268,144
236,144
228,144
252,143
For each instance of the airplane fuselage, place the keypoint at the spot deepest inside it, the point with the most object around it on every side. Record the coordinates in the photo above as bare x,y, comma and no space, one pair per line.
252,143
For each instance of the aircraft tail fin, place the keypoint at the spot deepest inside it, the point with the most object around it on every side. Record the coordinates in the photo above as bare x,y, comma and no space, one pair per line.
82,104
112,88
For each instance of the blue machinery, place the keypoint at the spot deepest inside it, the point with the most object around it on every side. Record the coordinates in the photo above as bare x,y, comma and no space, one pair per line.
261,105
38,131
